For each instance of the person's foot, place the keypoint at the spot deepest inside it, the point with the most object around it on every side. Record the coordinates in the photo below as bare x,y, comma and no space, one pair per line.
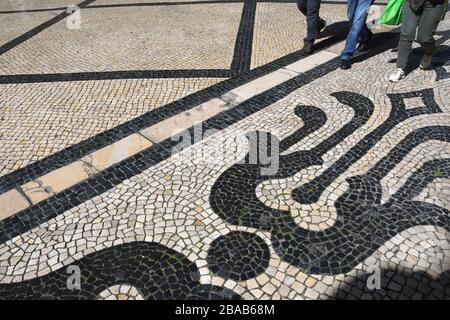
397,75
363,46
322,25
345,64
425,63
308,48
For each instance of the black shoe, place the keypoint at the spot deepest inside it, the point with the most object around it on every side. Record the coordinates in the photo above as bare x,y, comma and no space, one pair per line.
322,25
345,64
364,45
308,48
426,61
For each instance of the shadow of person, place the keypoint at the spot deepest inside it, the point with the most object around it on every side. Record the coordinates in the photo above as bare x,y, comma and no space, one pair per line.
441,62
335,28
395,285
379,40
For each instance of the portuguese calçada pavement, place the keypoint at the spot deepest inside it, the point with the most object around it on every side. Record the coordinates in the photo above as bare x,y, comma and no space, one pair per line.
190,150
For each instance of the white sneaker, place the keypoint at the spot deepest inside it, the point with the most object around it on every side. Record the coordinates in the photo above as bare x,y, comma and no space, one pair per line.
397,75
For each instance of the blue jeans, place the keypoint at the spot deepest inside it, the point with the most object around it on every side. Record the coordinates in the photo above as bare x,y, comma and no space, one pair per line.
357,14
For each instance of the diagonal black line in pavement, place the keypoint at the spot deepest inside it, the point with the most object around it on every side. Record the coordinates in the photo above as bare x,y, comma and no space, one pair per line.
114,175
28,35
33,10
111,75
244,40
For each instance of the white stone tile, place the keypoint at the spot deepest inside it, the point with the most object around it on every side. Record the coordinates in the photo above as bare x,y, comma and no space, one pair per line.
11,202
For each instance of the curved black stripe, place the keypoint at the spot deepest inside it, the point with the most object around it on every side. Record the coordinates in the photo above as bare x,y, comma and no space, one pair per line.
398,114
249,211
155,270
362,224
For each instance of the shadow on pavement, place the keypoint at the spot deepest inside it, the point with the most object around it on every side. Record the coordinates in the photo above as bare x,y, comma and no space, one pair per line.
334,28
396,285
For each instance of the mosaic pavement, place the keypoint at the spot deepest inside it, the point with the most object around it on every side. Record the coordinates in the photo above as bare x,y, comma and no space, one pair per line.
150,155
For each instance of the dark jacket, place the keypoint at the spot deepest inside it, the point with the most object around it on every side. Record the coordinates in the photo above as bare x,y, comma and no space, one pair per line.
417,4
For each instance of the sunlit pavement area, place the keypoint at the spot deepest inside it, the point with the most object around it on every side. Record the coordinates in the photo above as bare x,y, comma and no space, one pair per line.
189,149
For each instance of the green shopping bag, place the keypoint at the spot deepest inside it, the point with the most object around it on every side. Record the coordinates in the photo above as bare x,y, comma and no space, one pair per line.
392,14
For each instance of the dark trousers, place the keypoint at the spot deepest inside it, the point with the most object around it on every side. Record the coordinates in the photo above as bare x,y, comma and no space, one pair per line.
426,19
310,8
